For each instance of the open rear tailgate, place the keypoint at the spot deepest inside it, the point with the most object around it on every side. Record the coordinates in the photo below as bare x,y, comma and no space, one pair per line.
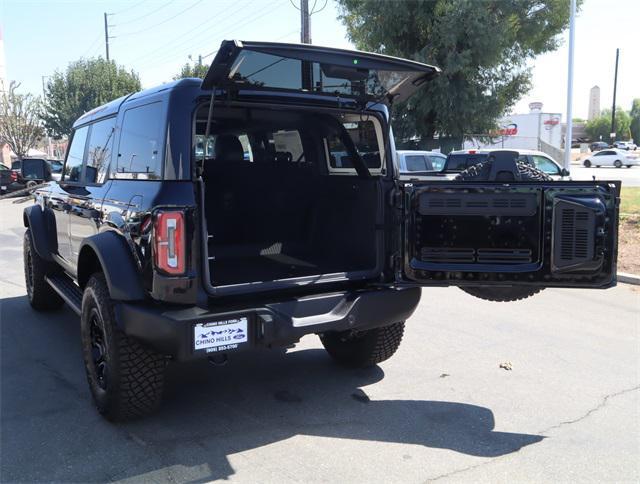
544,234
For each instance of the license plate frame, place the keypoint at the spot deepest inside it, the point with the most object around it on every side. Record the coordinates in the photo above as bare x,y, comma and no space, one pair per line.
221,336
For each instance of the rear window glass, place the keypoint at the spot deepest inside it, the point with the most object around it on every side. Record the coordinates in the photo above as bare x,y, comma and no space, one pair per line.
461,162
140,149
33,169
267,70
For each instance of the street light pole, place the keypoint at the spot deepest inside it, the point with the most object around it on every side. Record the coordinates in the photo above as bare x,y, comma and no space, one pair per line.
568,137
613,109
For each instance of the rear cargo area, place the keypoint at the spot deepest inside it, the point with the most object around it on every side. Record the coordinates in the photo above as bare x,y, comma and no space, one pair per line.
280,198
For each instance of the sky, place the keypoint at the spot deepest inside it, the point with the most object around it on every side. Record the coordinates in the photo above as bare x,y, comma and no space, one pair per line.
156,37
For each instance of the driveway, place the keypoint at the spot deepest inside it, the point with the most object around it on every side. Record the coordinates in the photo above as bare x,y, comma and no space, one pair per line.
441,409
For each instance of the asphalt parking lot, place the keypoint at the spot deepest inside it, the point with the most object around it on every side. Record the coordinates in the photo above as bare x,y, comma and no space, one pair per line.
630,177
441,410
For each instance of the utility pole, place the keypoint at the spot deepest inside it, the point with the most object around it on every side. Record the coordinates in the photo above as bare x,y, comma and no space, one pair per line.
305,22
106,35
568,136
613,109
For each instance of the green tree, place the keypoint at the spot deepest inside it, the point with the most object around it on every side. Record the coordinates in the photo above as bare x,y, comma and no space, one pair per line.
481,46
601,126
20,125
635,121
192,70
86,84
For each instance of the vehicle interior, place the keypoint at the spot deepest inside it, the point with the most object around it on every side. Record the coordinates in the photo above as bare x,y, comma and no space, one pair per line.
285,193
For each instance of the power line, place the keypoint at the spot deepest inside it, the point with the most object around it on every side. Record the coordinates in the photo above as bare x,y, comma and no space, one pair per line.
163,22
257,16
128,8
146,15
91,47
190,38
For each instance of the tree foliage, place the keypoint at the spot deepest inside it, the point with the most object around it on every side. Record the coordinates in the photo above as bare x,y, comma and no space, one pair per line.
635,120
192,70
601,126
86,84
20,125
482,48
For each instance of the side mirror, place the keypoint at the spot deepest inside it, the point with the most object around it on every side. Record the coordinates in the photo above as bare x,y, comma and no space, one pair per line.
564,172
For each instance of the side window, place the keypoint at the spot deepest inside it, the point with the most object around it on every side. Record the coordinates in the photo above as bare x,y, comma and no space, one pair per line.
416,163
546,165
140,149
73,165
366,135
99,151
437,162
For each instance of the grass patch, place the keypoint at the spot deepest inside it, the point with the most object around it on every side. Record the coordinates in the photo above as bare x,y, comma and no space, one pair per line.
630,201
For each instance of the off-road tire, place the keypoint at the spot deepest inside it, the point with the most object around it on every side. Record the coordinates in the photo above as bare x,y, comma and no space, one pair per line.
132,384
501,294
41,295
362,349
482,170
509,293
587,164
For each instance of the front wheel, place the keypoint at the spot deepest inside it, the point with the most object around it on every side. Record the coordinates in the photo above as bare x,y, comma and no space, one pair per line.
617,164
126,378
361,349
587,164
41,295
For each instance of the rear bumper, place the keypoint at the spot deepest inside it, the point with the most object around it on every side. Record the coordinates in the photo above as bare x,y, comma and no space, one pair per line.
171,332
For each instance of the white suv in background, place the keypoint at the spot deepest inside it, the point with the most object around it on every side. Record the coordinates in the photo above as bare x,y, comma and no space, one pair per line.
625,145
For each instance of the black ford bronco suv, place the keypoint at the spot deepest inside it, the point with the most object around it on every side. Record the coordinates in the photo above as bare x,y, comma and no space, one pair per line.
262,204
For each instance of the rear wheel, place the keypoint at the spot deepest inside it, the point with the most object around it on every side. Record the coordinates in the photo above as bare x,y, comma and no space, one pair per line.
480,172
126,379
617,164
361,349
41,295
587,164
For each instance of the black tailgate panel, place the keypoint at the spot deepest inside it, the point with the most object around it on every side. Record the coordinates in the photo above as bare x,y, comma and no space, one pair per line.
561,234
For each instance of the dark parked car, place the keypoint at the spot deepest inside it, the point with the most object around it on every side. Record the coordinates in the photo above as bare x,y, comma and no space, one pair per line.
31,172
262,204
598,146
7,178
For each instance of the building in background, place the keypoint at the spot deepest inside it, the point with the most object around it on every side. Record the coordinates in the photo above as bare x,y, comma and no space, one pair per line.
535,130
594,103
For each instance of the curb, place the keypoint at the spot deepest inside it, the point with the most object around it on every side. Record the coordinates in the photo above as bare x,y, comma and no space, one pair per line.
629,278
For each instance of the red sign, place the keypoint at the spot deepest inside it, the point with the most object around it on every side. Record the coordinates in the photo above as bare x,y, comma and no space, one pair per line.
508,130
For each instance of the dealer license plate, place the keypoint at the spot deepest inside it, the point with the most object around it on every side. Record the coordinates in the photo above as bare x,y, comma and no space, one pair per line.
220,335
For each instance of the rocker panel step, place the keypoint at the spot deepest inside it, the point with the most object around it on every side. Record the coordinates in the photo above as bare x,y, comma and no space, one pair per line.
67,289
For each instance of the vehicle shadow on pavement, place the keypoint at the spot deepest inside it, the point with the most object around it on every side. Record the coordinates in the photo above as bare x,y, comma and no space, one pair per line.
50,430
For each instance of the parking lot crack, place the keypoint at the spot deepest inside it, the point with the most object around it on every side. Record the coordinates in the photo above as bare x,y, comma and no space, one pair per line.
603,402
591,411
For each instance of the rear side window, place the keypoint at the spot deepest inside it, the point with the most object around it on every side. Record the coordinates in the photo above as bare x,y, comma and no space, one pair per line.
73,165
417,163
140,149
463,161
99,150
367,138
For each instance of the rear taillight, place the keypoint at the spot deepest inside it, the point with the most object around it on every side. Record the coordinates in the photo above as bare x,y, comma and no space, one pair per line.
14,176
169,242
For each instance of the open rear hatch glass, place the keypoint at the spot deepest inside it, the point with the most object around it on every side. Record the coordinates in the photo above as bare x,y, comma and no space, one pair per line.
313,69
561,234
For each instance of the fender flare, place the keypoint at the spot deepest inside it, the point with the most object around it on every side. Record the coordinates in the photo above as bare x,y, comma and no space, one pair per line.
117,263
43,231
